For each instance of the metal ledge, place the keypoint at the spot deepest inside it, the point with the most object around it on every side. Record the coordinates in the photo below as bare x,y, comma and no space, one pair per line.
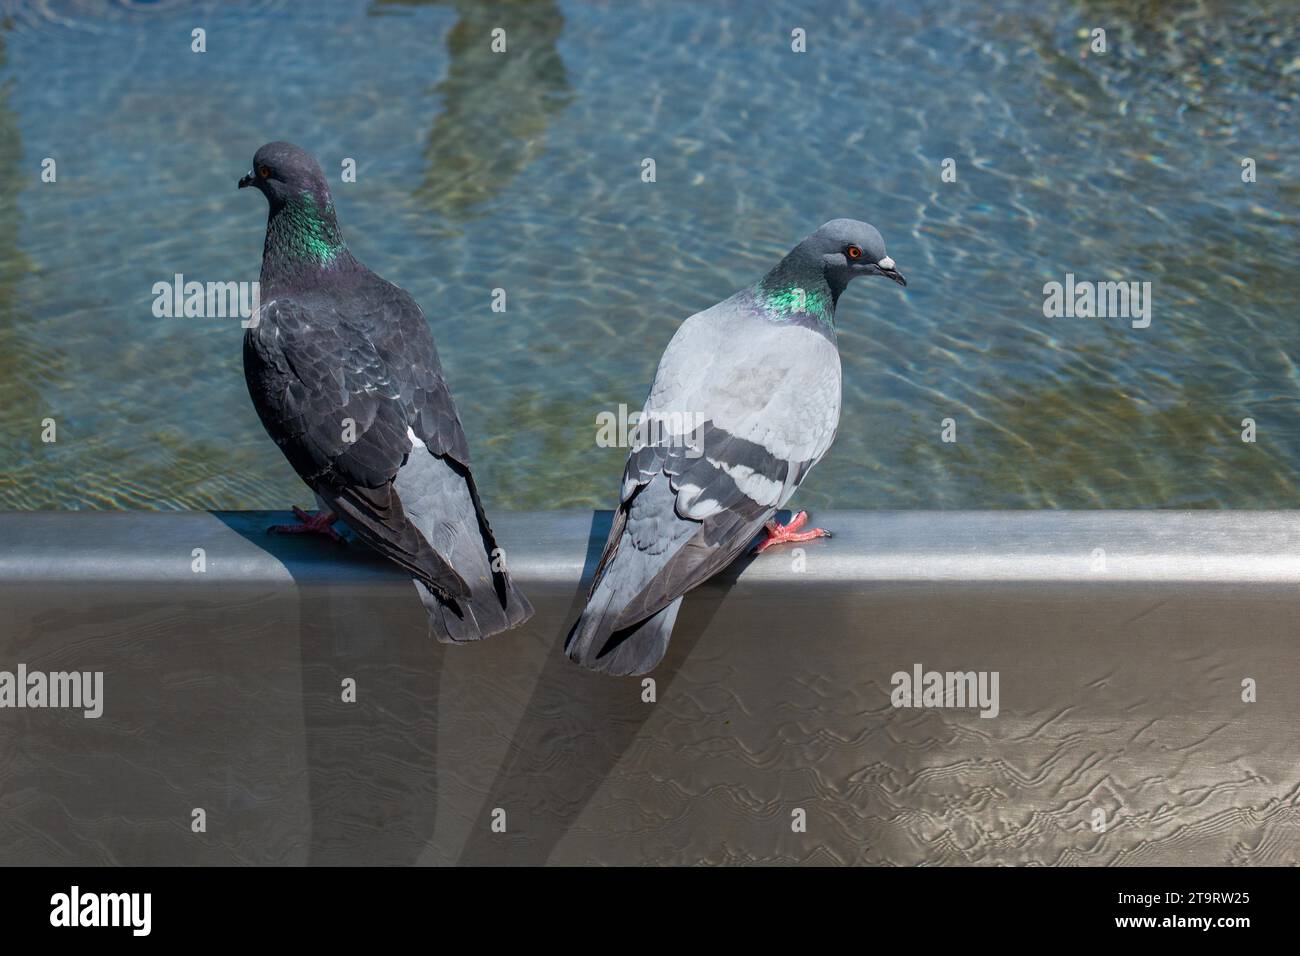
1121,640
552,549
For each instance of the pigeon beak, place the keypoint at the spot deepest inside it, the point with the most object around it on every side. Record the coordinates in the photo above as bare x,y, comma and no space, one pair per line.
886,267
247,180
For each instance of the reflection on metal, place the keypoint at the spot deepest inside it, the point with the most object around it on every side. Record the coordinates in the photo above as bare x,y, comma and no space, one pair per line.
1124,644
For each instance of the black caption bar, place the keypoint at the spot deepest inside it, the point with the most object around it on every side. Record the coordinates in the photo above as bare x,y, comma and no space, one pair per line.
332,906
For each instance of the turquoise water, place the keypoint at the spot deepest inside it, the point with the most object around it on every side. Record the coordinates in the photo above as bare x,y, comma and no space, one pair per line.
477,170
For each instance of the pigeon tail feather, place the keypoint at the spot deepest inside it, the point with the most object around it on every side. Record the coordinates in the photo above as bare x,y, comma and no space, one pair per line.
627,652
459,622
444,506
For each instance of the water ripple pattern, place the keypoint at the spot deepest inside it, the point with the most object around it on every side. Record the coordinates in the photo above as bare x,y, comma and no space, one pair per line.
522,171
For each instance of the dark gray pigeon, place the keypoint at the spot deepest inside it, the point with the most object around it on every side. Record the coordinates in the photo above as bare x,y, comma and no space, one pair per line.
746,400
344,374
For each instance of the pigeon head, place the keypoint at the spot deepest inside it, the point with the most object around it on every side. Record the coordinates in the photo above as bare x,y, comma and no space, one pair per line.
302,230
847,249
811,278
284,172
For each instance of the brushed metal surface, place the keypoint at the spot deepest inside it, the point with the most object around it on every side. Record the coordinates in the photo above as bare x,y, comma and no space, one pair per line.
1121,640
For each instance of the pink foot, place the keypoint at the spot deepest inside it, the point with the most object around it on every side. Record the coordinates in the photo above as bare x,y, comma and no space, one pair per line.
789,533
319,523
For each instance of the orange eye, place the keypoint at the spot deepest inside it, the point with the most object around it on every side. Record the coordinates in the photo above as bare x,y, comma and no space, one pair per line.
854,252
264,172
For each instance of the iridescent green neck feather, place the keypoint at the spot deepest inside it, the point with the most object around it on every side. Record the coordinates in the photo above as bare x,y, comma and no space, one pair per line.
302,233
791,300
797,289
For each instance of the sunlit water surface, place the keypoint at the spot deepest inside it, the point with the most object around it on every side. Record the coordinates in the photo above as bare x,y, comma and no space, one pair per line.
522,171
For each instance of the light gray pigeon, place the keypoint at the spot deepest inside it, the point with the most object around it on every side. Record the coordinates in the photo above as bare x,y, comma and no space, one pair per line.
343,372
745,401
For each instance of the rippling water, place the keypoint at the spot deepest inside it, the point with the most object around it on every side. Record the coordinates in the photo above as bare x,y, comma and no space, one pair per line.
523,171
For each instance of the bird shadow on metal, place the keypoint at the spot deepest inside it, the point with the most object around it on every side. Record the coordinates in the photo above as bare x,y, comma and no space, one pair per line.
372,763
577,726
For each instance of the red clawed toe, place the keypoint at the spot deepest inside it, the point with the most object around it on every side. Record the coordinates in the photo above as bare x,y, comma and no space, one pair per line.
789,533
320,523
